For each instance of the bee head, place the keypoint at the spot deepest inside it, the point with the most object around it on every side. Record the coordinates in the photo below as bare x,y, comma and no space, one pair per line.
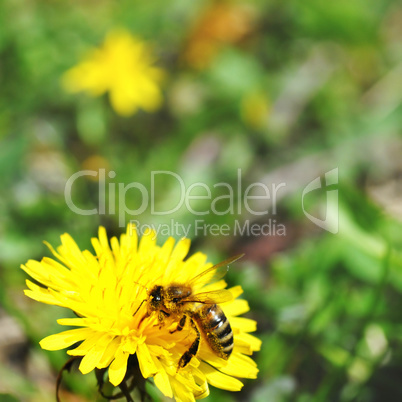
156,298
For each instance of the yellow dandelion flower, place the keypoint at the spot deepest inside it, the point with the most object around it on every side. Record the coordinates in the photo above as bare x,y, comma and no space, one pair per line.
113,295
122,66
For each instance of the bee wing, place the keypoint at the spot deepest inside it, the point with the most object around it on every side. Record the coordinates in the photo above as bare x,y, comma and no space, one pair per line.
213,297
217,271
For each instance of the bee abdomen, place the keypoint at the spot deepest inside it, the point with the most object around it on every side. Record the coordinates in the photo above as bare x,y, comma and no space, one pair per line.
215,325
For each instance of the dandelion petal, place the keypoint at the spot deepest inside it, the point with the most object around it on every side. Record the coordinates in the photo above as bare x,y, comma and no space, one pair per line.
65,339
118,368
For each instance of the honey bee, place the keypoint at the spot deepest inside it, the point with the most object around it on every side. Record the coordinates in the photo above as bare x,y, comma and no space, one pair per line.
206,317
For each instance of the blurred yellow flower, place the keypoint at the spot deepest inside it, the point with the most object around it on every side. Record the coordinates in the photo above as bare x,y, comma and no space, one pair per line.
122,66
107,292
255,109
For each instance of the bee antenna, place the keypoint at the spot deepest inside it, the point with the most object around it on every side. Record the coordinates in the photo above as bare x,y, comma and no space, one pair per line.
136,311
143,300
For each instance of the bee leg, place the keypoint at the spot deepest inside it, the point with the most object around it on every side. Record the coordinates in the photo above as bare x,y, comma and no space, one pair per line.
181,324
192,351
161,317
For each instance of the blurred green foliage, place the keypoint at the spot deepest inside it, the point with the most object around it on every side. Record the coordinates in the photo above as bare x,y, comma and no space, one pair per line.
302,88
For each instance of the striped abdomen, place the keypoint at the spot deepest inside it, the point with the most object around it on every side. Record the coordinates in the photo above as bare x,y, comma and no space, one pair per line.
216,329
